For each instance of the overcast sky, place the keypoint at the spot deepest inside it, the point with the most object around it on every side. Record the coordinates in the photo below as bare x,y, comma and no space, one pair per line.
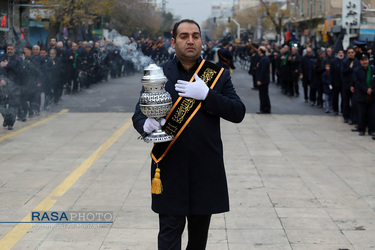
198,10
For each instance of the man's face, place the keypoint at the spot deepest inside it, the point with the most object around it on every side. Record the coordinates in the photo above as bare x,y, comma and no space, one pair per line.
53,42
188,42
35,51
294,50
27,52
74,46
10,50
286,49
364,62
52,54
308,52
329,52
351,53
340,54
43,53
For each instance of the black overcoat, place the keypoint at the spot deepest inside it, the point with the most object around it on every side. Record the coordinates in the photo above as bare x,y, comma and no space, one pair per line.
360,84
192,172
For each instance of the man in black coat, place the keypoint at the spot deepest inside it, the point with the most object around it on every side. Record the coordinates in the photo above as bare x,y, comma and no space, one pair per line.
285,70
73,63
348,103
307,72
225,57
263,80
336,66
254,59
193,175
10,68
364,89
296,71
316,90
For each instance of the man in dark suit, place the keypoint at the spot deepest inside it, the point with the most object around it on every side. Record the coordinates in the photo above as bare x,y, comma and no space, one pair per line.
10,64
285,70
263,80
254,65
348,65
225,57
336,66
364,90
316,90
193,175
307,72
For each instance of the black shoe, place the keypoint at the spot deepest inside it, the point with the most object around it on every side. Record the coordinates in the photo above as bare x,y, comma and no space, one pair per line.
361,133
10,127
255,88
373,137
355,130
372,133
5,124
346,121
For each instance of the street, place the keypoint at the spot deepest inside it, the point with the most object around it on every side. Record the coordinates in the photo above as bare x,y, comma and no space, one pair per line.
298,178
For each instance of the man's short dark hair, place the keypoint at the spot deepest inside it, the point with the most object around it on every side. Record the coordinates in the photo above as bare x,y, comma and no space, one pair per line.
174,32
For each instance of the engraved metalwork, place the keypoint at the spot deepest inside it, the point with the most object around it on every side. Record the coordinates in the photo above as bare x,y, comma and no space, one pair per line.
155,102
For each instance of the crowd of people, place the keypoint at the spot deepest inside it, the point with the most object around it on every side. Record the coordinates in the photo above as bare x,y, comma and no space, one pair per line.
28,71
340,82
336,81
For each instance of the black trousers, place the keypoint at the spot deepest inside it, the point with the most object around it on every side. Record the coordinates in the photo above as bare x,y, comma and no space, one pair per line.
349,106
336,91
265,104
305,85
171,228
366,116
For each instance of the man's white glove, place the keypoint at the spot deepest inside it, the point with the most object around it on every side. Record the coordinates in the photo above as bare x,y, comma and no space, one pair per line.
151,124
197,90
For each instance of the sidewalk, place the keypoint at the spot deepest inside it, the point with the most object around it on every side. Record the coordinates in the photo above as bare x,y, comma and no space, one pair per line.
295,182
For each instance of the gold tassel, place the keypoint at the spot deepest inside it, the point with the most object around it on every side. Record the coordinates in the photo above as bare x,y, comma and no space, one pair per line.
156,186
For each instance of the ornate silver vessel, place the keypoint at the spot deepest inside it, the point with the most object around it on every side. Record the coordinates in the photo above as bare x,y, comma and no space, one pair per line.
155,102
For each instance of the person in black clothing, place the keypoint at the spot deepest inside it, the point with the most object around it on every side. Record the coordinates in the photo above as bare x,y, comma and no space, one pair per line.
307,72
225,57
87,57
329,56
273,57
350,63
254,65
263,80
73,63
364,90
10,68
316,90
45,68
194,184
31,78
296,71
371,57
55,75
336,76
285,71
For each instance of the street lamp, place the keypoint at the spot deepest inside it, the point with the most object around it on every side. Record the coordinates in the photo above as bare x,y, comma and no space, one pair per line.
238,26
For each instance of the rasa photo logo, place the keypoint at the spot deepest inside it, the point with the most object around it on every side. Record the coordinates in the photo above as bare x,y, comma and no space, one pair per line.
72,217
